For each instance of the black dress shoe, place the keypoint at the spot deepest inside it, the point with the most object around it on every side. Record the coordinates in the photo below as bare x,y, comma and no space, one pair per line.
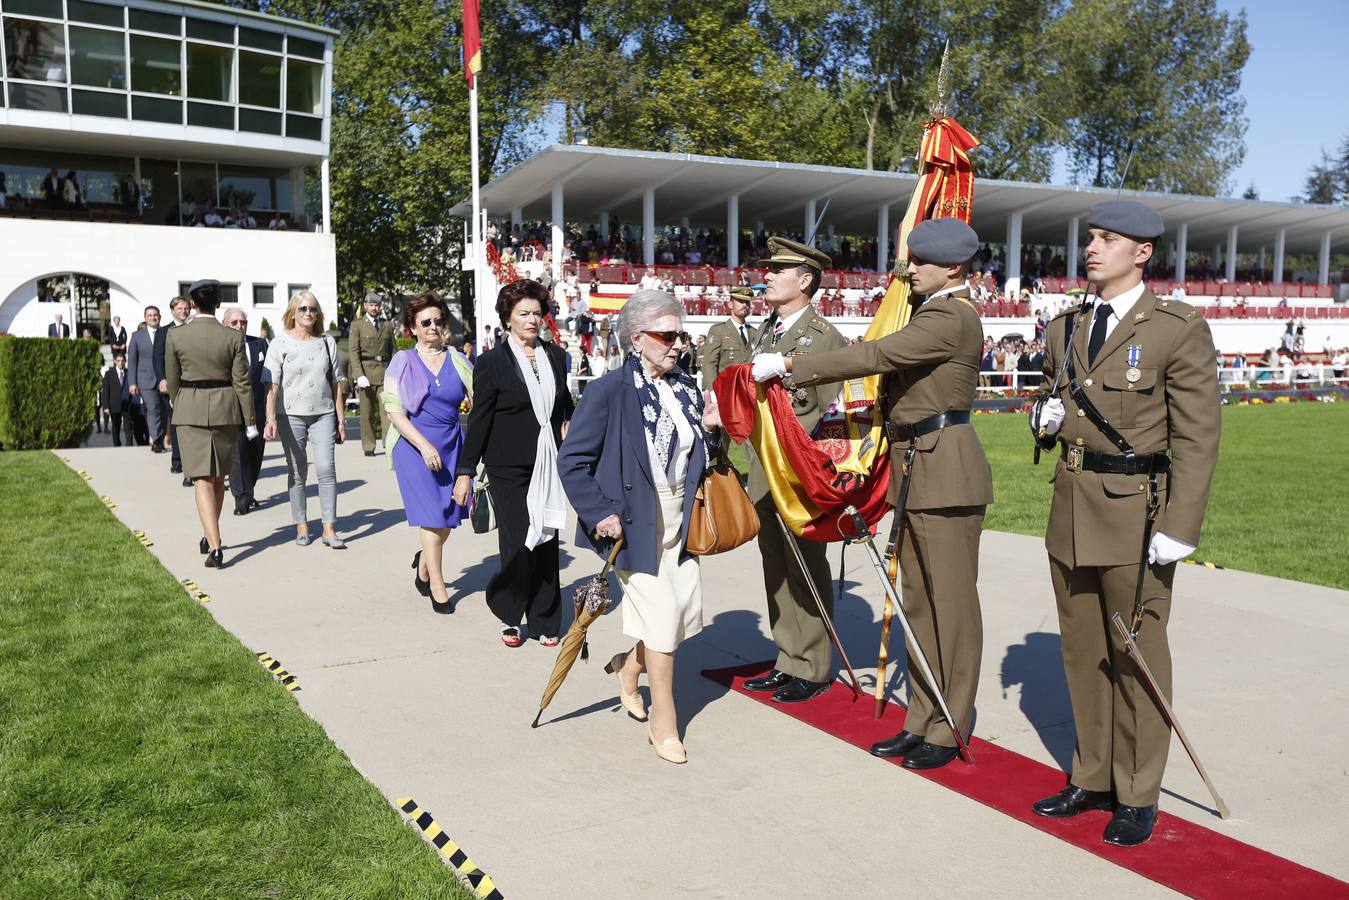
1071,801
770,682
240,511
423,587
187,482
929,756
1131,825
175,470
902,743
798,690
370,453
215,559
157,447
204,547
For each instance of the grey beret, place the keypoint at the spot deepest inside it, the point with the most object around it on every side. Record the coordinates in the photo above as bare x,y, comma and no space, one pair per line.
946,242
205,284
1127,218
372,297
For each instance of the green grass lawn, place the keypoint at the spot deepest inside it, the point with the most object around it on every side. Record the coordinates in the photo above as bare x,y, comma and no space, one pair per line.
143,750
1279,500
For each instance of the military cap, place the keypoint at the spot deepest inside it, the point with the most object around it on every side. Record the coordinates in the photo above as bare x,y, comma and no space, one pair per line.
790,253
372,297
1127,218
946,242
203,286
743,294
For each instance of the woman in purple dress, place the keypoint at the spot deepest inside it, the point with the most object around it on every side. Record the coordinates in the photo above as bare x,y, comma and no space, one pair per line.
425,391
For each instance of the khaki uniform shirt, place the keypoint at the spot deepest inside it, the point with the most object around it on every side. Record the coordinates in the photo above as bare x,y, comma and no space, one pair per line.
204,350
1171,403
724,348
810,333
933,365
371,349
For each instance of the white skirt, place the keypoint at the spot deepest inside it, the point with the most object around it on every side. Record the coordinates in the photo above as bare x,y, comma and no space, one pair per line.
664,609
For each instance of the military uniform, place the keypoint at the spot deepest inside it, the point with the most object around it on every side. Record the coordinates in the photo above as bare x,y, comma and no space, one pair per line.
1153,380
371,346
207,375
932,365
726,347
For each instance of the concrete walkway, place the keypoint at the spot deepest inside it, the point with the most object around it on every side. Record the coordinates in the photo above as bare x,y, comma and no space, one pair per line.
436,708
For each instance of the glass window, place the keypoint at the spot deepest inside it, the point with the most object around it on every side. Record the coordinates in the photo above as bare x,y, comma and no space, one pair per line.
293,289
49,8
255,188
210,31
264,294
37,97
98,103
157,109
208,72
259,79
198,184
304,87
155,65
259,121
301,47
98,13
34,50
210,115
145,20
159,191
64,179
263,40
97,57
310,129
229,293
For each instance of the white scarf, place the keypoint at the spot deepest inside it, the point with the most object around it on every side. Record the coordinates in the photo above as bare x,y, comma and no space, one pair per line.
546,500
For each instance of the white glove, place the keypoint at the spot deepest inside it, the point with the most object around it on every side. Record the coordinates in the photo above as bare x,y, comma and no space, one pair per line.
362,382
1051,414
1165,550
769,365
251,432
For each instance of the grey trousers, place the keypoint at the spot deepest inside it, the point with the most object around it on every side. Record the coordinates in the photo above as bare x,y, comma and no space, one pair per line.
319,433
154,413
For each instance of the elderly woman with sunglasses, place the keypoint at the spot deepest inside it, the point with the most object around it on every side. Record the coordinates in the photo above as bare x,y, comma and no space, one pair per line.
426,389
302,365
637,451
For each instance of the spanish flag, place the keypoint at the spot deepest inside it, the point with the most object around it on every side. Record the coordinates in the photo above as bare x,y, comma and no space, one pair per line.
605,304
472,42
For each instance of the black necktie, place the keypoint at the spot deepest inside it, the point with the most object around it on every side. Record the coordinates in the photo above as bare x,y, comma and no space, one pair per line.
744,335
1098,332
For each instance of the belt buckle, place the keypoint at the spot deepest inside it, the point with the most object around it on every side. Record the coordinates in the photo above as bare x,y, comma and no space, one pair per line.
1074,459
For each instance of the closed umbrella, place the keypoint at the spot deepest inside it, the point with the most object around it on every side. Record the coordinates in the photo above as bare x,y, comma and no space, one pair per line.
592,600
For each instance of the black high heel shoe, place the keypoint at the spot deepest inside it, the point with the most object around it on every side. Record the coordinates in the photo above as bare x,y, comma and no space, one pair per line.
423,587
215,559
204,547
444,609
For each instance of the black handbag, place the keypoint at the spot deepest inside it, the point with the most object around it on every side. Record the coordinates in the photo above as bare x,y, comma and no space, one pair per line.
484,519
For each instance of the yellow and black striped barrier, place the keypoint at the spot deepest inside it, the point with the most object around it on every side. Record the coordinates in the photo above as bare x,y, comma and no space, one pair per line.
195,592
145,541
83,474
271,665
1205,564
479,880
107,501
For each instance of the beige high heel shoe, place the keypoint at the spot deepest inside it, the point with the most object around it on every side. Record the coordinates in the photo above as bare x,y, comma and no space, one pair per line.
670,749
631,702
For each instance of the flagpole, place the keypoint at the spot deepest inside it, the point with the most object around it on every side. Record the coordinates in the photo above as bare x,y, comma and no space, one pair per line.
479,251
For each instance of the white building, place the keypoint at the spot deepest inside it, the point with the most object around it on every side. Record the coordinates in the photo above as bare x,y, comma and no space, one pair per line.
145,145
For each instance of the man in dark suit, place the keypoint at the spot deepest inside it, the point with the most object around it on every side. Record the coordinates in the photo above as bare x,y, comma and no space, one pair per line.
248,450
53,189
116,398
58,329
179,307
144,380
117,336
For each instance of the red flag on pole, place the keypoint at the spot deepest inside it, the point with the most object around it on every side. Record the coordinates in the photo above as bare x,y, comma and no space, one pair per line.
472,42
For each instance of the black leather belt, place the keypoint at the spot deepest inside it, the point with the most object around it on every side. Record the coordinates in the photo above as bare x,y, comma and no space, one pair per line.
904,433
373,359
212,383
1079,459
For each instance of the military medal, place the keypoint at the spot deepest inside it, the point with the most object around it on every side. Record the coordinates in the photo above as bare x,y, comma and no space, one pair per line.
1131,356
806,341
801,394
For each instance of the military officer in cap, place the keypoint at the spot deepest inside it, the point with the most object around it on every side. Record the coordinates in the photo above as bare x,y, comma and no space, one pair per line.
372,346
931,366
207,374
729,342
1137,420
805,656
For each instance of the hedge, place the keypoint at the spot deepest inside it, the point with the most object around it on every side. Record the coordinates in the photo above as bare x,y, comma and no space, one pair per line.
47,391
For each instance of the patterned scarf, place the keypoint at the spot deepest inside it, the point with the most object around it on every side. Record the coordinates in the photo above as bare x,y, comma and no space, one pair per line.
660,427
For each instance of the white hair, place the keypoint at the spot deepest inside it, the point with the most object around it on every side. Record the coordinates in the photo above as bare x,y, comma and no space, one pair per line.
641,310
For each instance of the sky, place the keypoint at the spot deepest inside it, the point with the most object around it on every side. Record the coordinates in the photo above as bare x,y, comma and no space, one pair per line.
1296,86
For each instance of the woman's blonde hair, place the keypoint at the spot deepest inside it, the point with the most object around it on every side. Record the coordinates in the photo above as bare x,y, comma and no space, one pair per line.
307,298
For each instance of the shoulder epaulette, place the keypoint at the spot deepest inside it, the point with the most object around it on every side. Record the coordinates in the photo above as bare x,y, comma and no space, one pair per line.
1178,308
1070,311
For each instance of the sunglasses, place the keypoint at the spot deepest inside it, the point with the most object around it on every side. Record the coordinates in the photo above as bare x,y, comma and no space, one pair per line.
428,323
307,309
665,337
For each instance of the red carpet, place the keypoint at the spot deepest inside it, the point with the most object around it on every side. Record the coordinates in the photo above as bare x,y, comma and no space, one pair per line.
1182,856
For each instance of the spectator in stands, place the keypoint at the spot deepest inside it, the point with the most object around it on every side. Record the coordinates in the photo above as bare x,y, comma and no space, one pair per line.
1339,362
650,281
57,328
129,195
687,360
53,189
277,223
71,193
213,219
4,192
987,363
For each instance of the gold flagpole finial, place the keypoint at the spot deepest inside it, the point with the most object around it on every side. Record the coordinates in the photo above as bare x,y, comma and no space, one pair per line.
939,109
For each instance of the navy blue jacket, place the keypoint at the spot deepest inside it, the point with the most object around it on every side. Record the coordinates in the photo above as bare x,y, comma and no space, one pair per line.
605,470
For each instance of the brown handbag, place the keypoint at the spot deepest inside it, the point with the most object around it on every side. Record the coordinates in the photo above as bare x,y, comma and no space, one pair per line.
723,517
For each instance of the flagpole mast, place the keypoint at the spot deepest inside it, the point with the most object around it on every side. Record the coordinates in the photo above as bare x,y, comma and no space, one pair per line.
479,251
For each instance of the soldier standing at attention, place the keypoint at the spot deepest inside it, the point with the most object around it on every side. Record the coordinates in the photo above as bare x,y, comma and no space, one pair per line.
805,655
729,342
1139,382
931,365
371,346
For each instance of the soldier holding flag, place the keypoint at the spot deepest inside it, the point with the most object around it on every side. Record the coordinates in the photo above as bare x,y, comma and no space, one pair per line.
931,365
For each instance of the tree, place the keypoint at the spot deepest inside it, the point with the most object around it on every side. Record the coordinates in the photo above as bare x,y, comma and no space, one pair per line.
1250,193
1328,180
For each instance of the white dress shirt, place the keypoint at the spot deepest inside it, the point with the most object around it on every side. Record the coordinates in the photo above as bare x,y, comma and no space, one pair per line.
1119,307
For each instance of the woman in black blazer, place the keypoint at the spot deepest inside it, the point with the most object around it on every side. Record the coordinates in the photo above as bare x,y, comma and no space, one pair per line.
519,385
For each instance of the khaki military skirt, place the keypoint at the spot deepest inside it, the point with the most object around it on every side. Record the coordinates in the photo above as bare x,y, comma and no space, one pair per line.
206,451
664,609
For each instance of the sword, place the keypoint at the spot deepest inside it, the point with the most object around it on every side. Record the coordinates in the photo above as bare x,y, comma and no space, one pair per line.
819,603
1130,647
864,536
892,551
1058,377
